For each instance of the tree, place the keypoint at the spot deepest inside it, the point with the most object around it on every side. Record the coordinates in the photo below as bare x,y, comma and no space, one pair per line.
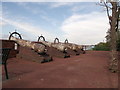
101,47
113,15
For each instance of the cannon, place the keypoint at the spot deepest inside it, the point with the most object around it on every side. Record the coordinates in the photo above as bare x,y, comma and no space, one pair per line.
25,43
71,48
55,49
30,51
74,47
60,46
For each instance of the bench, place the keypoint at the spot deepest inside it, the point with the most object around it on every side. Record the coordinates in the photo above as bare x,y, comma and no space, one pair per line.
4,53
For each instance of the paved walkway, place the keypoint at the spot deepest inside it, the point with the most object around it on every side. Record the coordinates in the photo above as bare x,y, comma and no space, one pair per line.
85,71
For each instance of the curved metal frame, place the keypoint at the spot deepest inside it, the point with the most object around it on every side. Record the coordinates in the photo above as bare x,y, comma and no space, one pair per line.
66,41
39,38
13,34
56,39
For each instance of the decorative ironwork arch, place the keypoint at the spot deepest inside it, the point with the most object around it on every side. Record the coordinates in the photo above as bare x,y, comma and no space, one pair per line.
56,40
16,33
16,47
66,41
41,37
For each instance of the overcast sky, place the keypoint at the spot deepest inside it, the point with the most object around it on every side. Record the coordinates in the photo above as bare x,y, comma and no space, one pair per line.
79,22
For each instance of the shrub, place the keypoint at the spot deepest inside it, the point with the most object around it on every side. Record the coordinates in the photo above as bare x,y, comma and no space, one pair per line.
102,47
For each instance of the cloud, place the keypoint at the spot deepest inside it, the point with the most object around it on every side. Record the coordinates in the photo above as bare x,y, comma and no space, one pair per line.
34,10
30,29
5,36
76,8
79,8
59,4
86,29
51,0
49,20
2,23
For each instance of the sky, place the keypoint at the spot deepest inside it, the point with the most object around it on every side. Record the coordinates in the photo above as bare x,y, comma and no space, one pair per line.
83,23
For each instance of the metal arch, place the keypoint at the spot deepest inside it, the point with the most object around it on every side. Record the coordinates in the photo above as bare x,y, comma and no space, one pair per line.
66,41
56,40
15,34
20,37
39,38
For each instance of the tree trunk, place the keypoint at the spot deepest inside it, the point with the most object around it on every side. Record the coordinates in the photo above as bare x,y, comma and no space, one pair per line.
114,62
